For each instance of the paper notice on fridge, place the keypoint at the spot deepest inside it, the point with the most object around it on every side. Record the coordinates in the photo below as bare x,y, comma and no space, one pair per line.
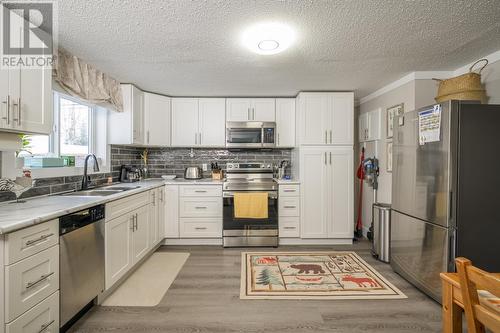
429,125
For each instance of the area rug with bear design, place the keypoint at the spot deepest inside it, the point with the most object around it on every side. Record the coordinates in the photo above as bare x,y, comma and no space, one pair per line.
312,275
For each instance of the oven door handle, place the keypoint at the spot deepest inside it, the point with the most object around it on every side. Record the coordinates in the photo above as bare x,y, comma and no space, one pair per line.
227,194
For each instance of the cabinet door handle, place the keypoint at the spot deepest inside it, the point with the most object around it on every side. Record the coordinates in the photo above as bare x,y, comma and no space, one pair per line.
330,158
195,138
7,116
32,242
331,136
278,139
325,157
200,228
248,114
289,206
132,220
161,195
326,136
288,228
45,326
253,113
199,141
42,278
154,198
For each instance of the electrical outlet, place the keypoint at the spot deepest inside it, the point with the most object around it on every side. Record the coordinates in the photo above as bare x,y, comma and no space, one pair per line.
204,166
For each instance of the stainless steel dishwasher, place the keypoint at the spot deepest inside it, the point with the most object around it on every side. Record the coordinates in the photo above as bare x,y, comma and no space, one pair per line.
81,237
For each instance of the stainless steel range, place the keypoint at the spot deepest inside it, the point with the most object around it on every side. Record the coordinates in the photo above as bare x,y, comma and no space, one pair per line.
247,178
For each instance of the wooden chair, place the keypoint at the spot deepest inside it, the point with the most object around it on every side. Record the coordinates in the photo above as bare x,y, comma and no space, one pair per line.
477,312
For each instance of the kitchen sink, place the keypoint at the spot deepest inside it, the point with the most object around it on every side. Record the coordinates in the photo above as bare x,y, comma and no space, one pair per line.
119,188
94,193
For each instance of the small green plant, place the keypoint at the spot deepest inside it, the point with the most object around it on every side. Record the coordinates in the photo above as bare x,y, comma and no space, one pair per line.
25,144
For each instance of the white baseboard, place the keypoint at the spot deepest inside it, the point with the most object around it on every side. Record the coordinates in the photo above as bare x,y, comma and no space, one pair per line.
304,241
282,241
192,241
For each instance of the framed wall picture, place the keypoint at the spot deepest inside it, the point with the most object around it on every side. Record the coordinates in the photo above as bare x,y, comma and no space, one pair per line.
392,112
388,151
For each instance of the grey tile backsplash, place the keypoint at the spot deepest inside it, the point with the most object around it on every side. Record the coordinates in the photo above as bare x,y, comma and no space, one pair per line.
162,161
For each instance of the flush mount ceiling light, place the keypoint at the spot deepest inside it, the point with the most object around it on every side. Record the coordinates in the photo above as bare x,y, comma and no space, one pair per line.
268,38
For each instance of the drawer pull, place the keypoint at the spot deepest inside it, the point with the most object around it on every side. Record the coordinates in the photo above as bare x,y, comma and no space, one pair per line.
289,227
201,228
200,191
201,207
45,326
42,278
288,190
290,206
32,242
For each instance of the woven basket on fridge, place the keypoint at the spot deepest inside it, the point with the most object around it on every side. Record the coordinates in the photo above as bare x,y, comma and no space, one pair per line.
464,87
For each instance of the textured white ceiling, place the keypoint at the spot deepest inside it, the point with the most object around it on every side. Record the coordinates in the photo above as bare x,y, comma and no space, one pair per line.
192,48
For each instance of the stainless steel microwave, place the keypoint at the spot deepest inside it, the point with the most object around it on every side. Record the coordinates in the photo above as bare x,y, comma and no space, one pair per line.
250,134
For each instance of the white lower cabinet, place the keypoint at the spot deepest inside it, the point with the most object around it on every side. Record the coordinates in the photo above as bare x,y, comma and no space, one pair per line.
118,248
43,317
140,236
132,235
31,280
327,183
172,211
201,228
198,213
289,211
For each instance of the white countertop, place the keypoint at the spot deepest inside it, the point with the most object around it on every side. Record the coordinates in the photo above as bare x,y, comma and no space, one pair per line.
14,216
203,181
287,181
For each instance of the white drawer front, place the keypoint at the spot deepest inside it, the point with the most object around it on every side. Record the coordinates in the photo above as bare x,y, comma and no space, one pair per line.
200,207
289,190
200,191
125,205
26,242
288,206
289,227
201,228
31,280
43,317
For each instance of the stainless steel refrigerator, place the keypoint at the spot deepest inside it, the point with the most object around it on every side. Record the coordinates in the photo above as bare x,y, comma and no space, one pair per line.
445,191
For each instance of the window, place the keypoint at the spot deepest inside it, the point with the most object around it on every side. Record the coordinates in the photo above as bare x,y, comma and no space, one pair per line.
73,130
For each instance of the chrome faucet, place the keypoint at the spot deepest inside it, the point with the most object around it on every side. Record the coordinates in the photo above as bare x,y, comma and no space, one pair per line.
86,178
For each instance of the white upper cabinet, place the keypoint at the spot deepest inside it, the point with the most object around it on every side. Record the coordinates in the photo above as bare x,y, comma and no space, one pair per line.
285,122
212,122
263,109
157,114
184,122
369,126
127,127
26,99
250,109
198,122
342,121
325,118
238,109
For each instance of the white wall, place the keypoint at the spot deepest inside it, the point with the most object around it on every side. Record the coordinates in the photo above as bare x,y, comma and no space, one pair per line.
414,94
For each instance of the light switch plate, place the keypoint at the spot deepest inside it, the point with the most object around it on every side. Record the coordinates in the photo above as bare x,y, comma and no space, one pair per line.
204,166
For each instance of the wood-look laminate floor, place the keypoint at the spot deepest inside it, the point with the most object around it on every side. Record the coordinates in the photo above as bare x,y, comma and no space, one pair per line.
205,298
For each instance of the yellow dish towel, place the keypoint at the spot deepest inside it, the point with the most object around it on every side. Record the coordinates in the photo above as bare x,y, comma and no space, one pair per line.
250,205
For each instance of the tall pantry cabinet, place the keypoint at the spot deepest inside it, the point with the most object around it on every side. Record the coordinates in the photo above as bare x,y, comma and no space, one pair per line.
325,156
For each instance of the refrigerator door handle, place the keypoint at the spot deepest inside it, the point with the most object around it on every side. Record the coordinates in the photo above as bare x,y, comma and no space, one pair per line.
451,205
451,250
